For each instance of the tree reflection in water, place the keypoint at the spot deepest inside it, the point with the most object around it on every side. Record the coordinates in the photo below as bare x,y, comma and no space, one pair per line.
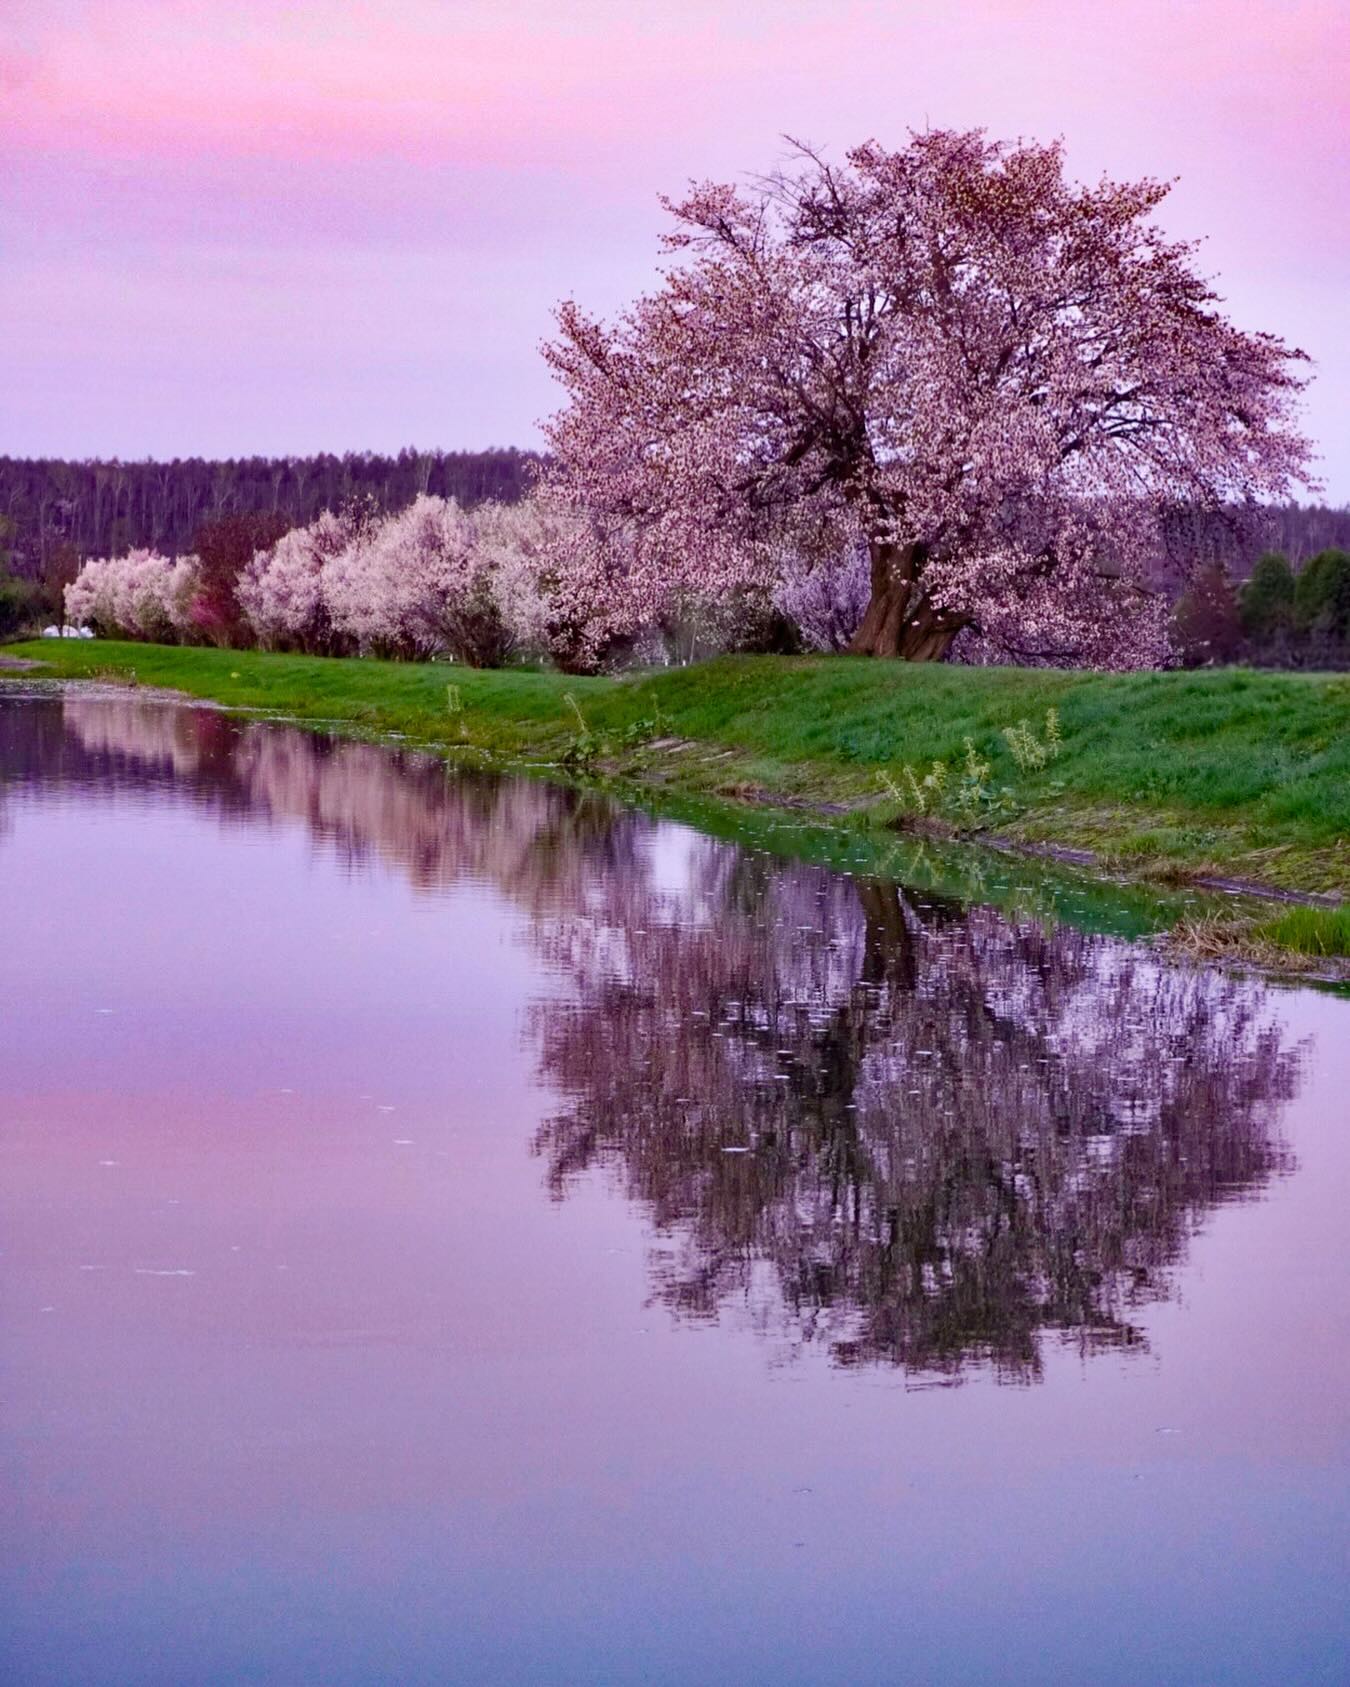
874,1121
914,1133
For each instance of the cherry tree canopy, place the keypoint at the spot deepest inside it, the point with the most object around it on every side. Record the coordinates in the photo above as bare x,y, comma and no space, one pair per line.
996,380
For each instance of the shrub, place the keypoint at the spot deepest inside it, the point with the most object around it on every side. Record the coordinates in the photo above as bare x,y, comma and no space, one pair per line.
224,548
141,595
280,591
1206,624
408,586
1322,595
20,605
438,579
1266,602
964,790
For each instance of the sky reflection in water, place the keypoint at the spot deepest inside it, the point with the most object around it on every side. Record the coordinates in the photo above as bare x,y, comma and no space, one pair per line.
462,1230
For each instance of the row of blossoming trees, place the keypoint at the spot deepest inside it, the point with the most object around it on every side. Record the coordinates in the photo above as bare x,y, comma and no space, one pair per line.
927,396
483,586
433,579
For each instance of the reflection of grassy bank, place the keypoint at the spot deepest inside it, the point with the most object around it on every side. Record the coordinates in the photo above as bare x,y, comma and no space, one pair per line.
1166,776
1020,886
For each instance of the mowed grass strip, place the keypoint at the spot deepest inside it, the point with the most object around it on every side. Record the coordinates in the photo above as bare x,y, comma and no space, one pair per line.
1228,770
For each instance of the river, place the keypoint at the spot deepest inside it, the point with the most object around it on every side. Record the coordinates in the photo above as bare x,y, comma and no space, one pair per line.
459,1229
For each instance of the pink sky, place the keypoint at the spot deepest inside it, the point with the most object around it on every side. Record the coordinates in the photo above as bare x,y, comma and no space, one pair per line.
232,226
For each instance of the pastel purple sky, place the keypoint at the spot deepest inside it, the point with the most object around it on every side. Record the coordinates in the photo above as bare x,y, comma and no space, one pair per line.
230,226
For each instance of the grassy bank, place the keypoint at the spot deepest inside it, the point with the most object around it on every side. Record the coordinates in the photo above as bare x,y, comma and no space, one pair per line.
1228,773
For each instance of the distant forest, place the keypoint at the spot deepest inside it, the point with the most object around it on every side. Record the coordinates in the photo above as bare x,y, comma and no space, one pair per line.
50,509
1200,539
55,512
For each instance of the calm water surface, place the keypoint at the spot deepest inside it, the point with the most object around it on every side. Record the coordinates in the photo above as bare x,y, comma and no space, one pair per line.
462,1231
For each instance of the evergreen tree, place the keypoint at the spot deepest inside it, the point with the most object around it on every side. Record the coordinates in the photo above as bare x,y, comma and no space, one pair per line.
1267,600
1322,595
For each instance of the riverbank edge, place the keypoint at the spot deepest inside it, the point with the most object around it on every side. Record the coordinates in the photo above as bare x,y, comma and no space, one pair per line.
646,759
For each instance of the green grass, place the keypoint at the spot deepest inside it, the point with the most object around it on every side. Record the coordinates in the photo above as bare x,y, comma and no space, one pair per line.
1167,774
1322,933
1299,940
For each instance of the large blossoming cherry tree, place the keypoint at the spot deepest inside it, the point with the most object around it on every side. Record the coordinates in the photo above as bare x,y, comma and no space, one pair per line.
995,380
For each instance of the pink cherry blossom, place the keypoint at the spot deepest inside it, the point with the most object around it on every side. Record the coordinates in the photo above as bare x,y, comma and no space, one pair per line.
997,381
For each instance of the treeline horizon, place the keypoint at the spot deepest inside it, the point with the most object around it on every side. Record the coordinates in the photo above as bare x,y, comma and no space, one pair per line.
1198,540
101,506
59,510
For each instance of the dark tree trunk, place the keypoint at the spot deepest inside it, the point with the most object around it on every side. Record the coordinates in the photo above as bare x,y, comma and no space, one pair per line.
889,952
900,621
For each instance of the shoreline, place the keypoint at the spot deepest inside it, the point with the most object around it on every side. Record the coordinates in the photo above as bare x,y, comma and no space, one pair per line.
625,736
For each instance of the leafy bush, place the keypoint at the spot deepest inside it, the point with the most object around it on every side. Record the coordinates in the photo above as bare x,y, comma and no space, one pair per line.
1206,624
21,605
1266,603
1322,594
224,548
1298,620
